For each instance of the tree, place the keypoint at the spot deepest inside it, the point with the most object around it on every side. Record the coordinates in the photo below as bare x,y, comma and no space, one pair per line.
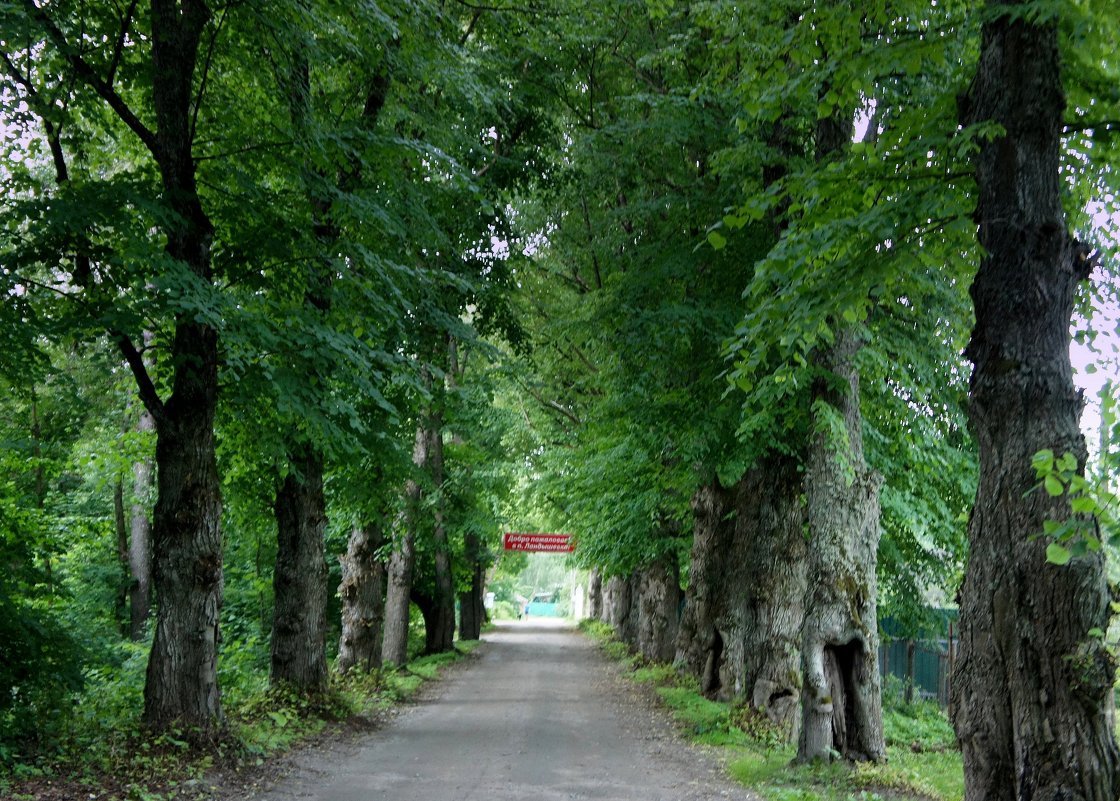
1032,690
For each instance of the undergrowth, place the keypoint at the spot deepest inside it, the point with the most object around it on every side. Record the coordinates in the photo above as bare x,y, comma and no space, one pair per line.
923,762
106,753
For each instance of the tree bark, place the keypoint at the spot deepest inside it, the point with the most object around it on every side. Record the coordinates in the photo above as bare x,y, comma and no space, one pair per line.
1032,688
363,600
182,679
595,595
472,612
440,632
841,702
299,579
606,611
624,612
746,591
140,538
658,600
402,562
699,644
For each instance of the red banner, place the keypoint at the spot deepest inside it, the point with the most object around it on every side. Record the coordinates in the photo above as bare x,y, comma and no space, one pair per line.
547,543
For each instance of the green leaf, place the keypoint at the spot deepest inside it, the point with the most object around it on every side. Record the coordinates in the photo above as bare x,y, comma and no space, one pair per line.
1043,462
716,240
1057,554
1053,485
1084,504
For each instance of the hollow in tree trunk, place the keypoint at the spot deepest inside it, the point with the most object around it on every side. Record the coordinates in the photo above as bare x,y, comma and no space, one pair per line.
1032,686
841,697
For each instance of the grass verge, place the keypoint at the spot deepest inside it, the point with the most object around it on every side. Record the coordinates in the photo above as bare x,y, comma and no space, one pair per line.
923,763
121,762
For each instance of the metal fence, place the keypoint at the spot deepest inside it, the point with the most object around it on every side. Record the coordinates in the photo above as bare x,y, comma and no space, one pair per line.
925,662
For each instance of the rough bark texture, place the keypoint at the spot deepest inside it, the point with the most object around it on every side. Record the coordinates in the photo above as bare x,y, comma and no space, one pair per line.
299,579
140,538
841,699
182,681
595,595
606,611
1032,690
623,611
745,603
362,592
659,596
182,678
439,632
394,649
699,645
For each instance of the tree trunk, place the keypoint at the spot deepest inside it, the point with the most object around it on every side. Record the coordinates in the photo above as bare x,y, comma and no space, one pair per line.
841,703
402,562
624,612
1032,688
606,612
595,595
140,537
363,600
741,633
699,648
299,579
472,612
761,627
182,679
440,634
659,595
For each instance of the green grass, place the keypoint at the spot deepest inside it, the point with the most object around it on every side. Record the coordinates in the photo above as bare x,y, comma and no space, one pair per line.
922,764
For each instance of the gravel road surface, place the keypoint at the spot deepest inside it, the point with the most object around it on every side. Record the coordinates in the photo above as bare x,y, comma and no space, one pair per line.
537,715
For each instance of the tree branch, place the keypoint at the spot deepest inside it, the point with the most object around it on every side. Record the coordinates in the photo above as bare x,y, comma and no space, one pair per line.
87,74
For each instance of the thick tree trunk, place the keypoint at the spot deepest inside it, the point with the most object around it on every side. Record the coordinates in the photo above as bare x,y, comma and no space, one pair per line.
472,612
182,679
595,595
841,702
299,579
761,627
398,590
659,594
140,537
182,682
606,612
440,634
741,633
617,603
699,647
624,612
402,562
1032,688
363,600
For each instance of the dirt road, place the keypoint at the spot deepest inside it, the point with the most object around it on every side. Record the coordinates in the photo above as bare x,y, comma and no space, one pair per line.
538,716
